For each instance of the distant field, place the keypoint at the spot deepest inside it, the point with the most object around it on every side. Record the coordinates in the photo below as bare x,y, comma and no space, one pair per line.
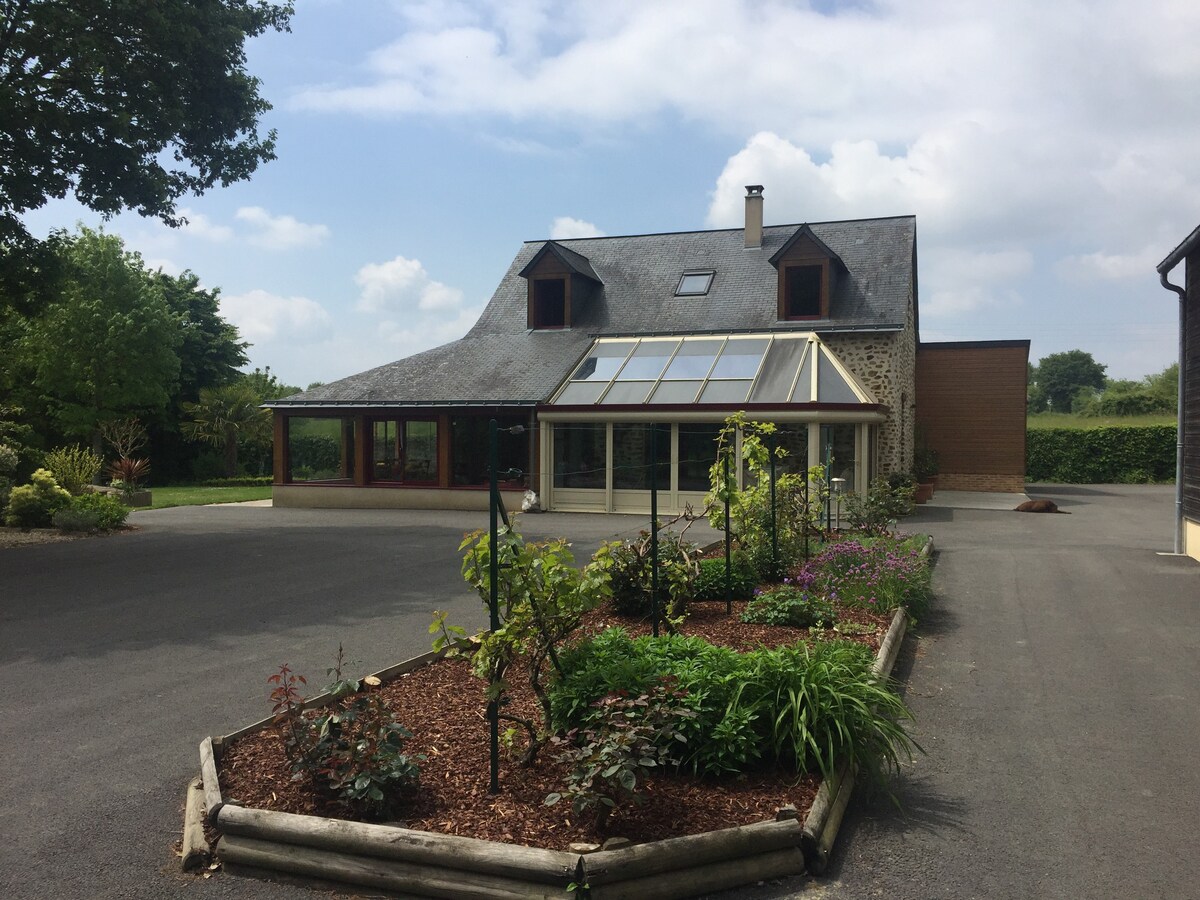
1068,420
190,495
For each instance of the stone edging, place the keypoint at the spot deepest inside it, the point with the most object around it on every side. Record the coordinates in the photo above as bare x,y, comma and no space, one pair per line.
437,865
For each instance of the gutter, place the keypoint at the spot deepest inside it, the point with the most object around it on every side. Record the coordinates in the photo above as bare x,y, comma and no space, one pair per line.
1164,269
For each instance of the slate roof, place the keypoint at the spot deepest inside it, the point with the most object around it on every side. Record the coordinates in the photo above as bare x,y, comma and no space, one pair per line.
500,361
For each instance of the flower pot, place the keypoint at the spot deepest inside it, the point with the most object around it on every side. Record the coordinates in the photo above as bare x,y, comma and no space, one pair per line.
136,498
924,493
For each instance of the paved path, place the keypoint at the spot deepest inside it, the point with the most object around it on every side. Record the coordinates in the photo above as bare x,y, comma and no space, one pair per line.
1057,692
119,654
1056,688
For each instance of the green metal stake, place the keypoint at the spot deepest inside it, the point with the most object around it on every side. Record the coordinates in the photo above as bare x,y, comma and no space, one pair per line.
654,527
728,558
774,515
493,711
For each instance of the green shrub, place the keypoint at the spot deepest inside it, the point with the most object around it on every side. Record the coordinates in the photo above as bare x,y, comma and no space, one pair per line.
798,706
787,605
710,582
91,512
1106,455
74,468
33,505
630,570
886,500
628,737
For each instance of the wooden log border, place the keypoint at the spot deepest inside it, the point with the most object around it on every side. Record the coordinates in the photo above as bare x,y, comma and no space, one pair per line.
436,865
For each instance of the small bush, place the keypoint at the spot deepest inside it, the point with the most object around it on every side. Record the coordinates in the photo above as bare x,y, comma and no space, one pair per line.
91,512
74,468
798,706
33,505
354,749
788,605
630,571
886,500
127,474
710,582
629,736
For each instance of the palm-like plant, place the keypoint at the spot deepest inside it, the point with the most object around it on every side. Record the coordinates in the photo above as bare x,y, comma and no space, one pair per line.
226,416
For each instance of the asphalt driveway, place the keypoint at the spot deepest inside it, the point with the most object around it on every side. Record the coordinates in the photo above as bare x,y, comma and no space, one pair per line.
1055,687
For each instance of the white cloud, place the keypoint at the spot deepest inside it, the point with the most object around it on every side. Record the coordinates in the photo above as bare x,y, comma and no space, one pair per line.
201,226
565,227
280,232
402,284
1110,266
261,316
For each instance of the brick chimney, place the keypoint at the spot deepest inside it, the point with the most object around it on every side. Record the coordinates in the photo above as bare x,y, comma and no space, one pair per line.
754,215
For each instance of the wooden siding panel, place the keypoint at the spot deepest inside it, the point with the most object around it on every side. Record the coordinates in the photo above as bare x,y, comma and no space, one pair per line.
971,407
1189,415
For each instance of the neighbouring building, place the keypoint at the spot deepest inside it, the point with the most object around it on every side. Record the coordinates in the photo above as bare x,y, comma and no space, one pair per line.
1187,469
604,359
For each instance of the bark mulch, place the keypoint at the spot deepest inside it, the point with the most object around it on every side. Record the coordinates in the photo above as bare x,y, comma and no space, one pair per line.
443,705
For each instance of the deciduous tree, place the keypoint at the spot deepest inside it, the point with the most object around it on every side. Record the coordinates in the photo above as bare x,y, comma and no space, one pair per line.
126,104
1061,376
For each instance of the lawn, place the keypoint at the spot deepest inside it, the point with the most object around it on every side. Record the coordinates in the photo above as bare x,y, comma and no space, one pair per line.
193,495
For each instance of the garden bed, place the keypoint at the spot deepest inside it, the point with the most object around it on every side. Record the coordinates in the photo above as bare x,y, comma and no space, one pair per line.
689,833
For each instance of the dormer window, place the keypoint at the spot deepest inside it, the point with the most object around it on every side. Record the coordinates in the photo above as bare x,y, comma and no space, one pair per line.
560,281
694,284
808,272
549,302
802,292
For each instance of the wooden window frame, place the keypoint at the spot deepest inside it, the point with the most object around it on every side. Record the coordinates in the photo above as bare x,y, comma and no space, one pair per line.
823,288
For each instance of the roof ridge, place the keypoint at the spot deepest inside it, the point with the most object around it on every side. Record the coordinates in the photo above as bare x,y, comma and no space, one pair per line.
609,237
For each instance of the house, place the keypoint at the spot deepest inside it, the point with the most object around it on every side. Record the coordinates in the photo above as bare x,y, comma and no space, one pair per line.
605,358
1187,465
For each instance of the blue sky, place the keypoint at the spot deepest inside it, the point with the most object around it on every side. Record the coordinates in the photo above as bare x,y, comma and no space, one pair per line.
1048,151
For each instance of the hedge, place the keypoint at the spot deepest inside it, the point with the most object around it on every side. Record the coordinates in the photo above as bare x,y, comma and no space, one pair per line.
1106,455
240,481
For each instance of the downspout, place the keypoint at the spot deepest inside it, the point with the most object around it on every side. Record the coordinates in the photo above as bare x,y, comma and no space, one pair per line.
1178,410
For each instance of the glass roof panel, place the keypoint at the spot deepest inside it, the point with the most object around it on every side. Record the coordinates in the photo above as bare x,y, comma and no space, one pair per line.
831,386
627,392
582,392
740,358
726,391
648,360
694,359
804,390
779,371
676,392
604,360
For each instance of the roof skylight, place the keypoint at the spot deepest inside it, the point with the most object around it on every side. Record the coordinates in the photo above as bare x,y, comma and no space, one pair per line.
694,284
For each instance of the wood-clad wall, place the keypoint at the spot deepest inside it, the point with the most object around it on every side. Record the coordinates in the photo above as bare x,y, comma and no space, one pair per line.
1189,416
971,410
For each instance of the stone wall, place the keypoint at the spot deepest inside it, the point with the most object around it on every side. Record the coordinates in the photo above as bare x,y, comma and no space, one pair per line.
886,364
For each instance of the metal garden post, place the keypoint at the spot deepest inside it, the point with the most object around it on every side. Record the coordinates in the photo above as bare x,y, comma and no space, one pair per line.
654,527
728,557
493,711
774,514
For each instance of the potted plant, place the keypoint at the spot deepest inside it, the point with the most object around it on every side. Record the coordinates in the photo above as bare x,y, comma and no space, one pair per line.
925,469
126,475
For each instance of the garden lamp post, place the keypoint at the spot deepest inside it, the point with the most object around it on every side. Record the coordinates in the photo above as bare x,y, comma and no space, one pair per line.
838,486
